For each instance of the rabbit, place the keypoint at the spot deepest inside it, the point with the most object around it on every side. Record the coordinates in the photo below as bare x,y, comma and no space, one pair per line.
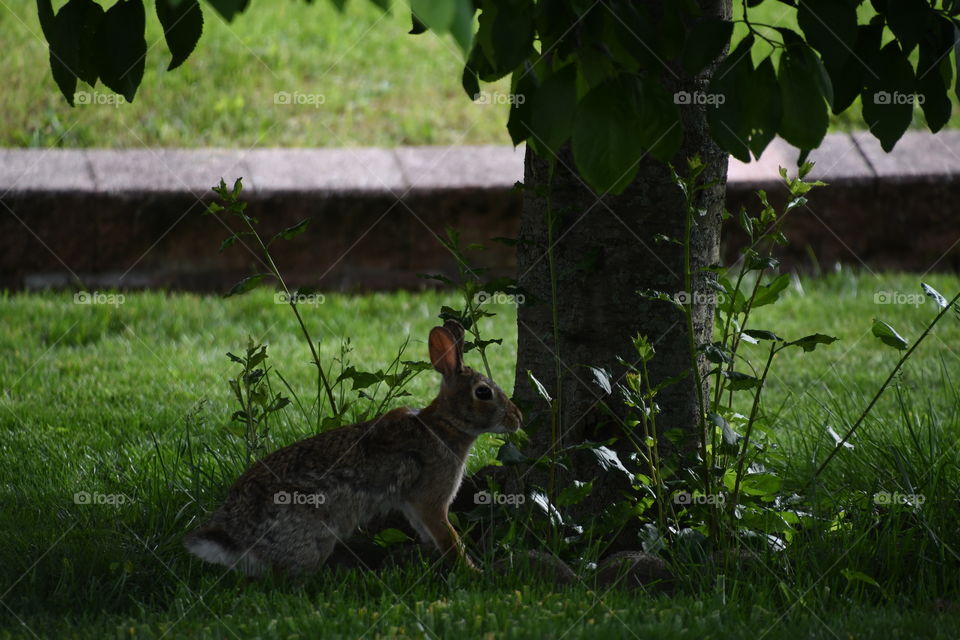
287,511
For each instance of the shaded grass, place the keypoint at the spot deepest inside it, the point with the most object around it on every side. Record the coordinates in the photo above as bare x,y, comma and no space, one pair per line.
132,401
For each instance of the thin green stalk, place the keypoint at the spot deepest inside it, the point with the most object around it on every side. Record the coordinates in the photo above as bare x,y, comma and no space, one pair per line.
322,383
750,422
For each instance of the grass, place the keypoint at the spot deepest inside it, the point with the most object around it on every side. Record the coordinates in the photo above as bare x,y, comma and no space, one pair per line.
380,86
132,400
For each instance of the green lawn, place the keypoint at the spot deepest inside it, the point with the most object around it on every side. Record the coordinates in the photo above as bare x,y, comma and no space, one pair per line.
133,400
379,86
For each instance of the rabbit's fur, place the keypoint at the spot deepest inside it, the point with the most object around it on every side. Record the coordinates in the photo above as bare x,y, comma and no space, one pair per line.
288,510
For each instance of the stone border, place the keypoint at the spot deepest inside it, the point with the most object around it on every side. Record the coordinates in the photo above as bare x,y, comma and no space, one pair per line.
131,218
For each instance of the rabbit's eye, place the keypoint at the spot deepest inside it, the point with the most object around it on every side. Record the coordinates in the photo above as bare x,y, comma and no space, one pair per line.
483,393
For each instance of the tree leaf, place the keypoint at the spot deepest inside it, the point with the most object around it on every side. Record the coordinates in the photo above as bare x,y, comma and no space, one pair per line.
803,121
617,122
908,19
505,32
602,378
121,48
436,14
182,23
71,35
552,109
728,119
705,42
888,98
847,77
228,8
888,335
830,27
934,73
764,108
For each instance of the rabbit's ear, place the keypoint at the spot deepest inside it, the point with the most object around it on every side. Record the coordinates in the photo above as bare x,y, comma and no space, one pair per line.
444,352
456,330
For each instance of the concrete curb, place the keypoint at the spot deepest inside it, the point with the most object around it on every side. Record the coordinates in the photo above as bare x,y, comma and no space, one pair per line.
132,217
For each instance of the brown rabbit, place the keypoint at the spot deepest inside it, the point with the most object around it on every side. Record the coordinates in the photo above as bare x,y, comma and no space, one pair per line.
288,510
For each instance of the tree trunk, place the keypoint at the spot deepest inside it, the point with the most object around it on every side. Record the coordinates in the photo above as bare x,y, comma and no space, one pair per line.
603,252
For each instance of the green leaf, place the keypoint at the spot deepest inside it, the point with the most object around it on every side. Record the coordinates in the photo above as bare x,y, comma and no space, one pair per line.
888,98
853,575
764,108
71,35
830,26
538,387
574,494
505,33
769,293
888,335
462,27
847,76
934,73
760,334
729,435
908,19
228,8
390,537
705,42
934,295
438,15
508,454
291,232
730,87
760,484
246,284
121,48
616,123
809,343
739,381
182,23
552,109
360,379
803,121
602,378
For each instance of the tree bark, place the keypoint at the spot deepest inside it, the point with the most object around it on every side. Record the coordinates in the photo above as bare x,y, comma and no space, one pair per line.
603,252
